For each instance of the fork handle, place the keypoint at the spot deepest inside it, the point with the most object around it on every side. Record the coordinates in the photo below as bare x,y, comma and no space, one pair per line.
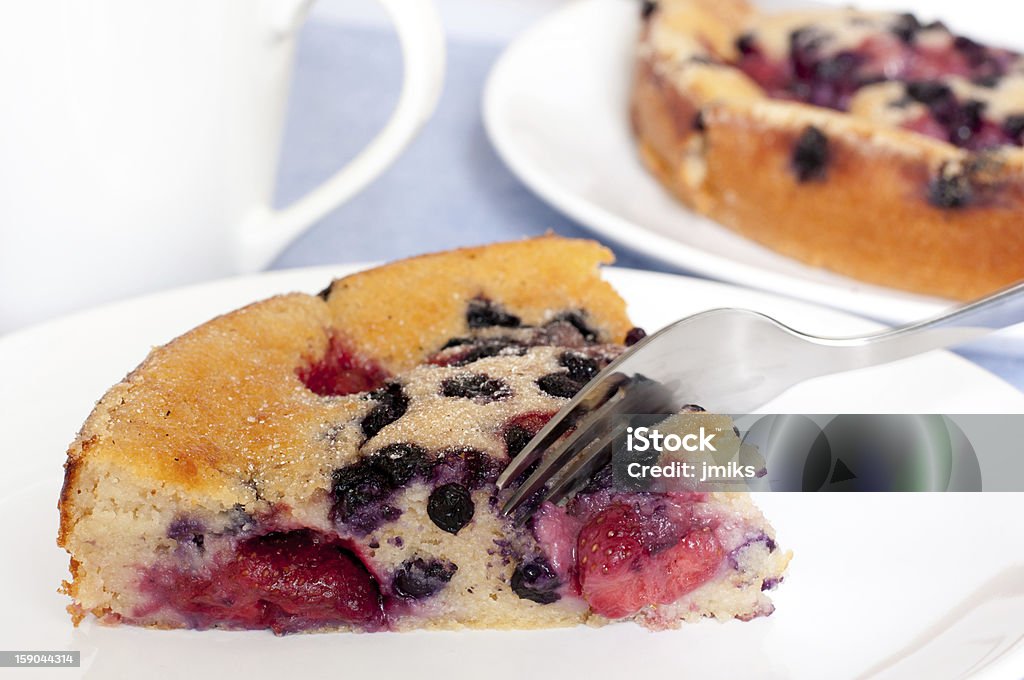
961,324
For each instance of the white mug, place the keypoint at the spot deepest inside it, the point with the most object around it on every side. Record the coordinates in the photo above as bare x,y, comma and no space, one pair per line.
139,141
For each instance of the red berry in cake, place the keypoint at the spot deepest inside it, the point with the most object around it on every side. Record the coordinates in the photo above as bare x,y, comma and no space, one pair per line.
302,576
450,507
609,556
286,581
340,372
622,570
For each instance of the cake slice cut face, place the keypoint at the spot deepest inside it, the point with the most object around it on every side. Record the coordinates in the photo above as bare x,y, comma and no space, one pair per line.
328,462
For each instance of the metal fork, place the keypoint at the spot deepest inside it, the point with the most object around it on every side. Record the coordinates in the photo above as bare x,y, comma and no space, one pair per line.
727,361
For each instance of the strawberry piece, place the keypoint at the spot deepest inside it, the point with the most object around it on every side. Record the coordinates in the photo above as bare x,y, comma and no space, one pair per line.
621,570
340,372
689,564
608,553
303,578
286,581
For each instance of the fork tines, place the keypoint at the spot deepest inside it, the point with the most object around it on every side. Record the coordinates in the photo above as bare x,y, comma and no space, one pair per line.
568,459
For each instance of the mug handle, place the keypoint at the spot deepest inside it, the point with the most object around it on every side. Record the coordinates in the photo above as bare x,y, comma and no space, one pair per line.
421,34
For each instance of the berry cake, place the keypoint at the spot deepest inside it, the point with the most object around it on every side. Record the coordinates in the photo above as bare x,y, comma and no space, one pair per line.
328,462
868,143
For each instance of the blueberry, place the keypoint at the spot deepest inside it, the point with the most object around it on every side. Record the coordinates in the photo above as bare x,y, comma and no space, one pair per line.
456,342
960,120
391,405
745,44
419,578
839,68
975,53
479,387
698,122
581,367
471,467
577,321
237,520
647,8
950,189
401,462
810,155
929,92
536,581
483,313
906,27
1013,126
804,47
356,486
490,347
635,335
516,438
834,81
450,507
360,490
966,122
326,292
184,528
559,385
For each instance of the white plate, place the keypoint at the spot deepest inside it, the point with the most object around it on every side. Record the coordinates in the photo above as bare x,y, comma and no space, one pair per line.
874,577
556,109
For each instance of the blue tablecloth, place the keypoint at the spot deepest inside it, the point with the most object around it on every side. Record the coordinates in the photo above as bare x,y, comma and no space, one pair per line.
449,189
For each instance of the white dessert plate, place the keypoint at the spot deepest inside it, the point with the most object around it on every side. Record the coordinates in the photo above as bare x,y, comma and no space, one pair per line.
556,109
887,585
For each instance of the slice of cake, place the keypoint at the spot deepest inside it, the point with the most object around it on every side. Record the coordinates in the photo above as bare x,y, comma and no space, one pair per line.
328,462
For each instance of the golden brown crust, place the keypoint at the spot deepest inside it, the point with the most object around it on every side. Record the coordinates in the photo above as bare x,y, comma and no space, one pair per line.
537,278
868,217
221,411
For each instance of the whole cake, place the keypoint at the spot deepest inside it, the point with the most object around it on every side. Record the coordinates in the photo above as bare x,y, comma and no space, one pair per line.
328,462
869,143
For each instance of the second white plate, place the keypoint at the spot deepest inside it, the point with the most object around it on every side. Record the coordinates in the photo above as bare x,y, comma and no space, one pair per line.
555,107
